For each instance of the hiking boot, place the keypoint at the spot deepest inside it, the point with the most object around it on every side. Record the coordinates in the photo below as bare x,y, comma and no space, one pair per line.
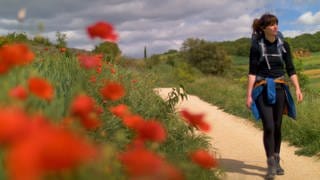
279,169
271,171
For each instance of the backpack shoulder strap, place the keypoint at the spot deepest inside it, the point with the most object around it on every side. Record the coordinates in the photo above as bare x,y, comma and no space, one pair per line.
263,52
280,46
281,42
262,48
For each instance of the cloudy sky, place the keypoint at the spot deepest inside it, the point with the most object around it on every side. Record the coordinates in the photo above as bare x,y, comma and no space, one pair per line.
157,24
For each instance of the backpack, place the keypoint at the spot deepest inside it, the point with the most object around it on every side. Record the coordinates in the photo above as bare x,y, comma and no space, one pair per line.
255,41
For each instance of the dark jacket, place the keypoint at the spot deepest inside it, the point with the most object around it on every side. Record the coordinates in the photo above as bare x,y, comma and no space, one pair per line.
278,67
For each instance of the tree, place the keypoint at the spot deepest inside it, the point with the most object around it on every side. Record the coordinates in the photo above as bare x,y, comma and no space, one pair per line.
41,40
145,53
110,50
243,46
206,56
61,40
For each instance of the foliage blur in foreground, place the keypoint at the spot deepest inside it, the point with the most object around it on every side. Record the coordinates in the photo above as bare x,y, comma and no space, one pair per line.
80,116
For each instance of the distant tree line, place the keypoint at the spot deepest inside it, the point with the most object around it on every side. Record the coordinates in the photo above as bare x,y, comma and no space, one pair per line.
241,47
109,50
214,57
203,55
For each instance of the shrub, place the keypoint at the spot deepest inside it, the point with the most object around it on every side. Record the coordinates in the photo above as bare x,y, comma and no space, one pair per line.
42,40
206,56
110,50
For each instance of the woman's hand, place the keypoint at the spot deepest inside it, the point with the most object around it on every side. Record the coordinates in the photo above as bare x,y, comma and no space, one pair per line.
294,80
249,102
299,95
251,80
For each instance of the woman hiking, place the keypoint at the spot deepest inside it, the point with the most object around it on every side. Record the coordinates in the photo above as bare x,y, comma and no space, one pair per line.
268,95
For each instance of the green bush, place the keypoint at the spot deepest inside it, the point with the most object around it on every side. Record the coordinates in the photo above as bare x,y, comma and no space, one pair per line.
110,51
206,56
41,40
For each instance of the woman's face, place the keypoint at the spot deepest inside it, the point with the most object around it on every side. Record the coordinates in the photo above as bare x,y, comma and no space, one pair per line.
271,30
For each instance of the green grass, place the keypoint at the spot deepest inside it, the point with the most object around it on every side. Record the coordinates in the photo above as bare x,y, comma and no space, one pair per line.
69,79
311,62
311,68
240,60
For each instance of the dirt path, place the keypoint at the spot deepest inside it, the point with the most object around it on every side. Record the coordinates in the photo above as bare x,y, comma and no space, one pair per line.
239,145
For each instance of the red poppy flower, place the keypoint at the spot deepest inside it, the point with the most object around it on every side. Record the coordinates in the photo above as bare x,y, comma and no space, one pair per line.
99,70
93,79
112,91
47,149
4,67
66,122
133,121
203,159
112,70
151,130
60,149
120,110
41,88
18,92
90,122
22,162
136,143
14,54
90,61
195,120
13,122
100,55
102,30
144,164
98,109
82,105
63,49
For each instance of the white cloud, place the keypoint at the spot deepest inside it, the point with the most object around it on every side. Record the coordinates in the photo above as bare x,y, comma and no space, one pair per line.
8,21
3,31
309,18
159,25
166,35
292,33
88,47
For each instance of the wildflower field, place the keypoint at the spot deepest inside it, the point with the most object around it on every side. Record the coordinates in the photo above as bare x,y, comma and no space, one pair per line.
78,115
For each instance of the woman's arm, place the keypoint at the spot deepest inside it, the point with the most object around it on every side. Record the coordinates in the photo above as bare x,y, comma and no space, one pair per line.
289,61
253,69
254,58
295,82
251,80
292,72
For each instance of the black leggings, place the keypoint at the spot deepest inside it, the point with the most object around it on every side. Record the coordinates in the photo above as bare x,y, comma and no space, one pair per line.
271,116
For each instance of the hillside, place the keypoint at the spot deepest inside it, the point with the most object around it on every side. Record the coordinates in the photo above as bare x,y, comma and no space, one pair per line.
241,46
